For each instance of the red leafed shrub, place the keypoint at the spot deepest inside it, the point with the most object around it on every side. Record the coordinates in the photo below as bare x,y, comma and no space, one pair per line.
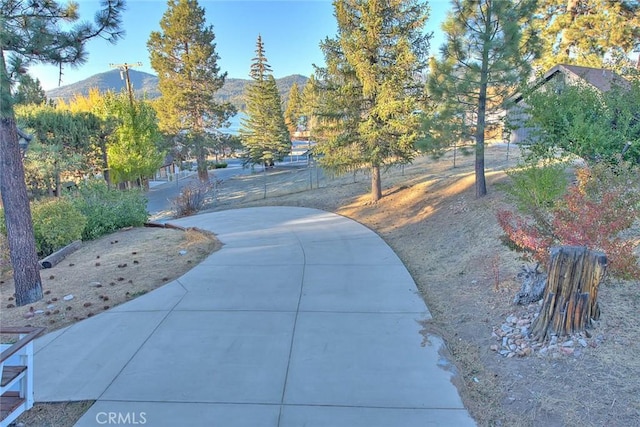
598,224
525,235
595,212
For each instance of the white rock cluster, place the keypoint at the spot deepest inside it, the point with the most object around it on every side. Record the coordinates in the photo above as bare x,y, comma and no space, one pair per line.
513,339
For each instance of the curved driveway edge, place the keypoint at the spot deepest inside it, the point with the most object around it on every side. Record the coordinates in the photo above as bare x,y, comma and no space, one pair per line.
303,318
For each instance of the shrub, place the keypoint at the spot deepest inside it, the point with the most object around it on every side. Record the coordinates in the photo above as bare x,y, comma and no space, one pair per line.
192,199
537,187
109,209
56,223
595,212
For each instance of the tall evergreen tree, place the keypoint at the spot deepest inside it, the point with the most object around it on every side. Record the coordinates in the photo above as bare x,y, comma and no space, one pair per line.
292,113
487,53
184,56
29,91
36,31
337,112
264,133
371,86
591,33
308,104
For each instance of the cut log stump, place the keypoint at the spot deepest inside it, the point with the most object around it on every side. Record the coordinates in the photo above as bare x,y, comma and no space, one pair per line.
570,296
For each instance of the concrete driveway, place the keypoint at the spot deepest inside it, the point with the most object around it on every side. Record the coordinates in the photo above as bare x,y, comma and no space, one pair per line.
303,318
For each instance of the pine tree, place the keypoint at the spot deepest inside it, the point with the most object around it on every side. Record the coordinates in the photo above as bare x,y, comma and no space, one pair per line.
264,133
184,56
371,86
337,112
29,91
487,53
293,111
309,104
591,33
46,32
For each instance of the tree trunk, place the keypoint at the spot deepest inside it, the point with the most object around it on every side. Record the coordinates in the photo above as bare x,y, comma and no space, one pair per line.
17,212
570,297
376,185
201,160
481,185
105,161
572,10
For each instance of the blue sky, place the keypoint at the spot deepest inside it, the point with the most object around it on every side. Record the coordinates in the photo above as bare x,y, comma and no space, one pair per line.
291,31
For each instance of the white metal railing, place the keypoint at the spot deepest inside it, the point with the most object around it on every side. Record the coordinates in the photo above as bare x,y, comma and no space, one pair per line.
16,367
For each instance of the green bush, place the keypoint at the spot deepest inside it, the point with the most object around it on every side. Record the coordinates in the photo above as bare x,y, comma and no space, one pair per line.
56,223
536,187
108,209
216,165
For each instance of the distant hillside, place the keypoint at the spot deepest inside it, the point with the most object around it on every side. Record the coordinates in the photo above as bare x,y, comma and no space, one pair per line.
146,85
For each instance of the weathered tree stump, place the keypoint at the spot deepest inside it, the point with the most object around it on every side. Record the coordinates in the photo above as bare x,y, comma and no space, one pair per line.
570,297
534,282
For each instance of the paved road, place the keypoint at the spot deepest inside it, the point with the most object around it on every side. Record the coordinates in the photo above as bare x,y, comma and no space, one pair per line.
236,183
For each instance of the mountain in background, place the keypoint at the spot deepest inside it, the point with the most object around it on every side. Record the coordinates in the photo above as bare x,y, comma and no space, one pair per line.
146,85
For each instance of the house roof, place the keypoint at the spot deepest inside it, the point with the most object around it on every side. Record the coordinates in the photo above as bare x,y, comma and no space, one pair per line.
600,78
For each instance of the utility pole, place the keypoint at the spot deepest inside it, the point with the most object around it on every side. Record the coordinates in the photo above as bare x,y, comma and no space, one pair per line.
124,75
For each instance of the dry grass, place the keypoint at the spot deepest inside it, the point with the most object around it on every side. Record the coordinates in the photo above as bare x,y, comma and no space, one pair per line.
105,273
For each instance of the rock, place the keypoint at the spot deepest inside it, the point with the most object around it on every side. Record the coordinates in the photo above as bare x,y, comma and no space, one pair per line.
28,315
553,340
94,284
67,297
582,342
512,320
513,347
183,252
567,350
568,343
50,306
38,312
504,352
494,347
506,328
